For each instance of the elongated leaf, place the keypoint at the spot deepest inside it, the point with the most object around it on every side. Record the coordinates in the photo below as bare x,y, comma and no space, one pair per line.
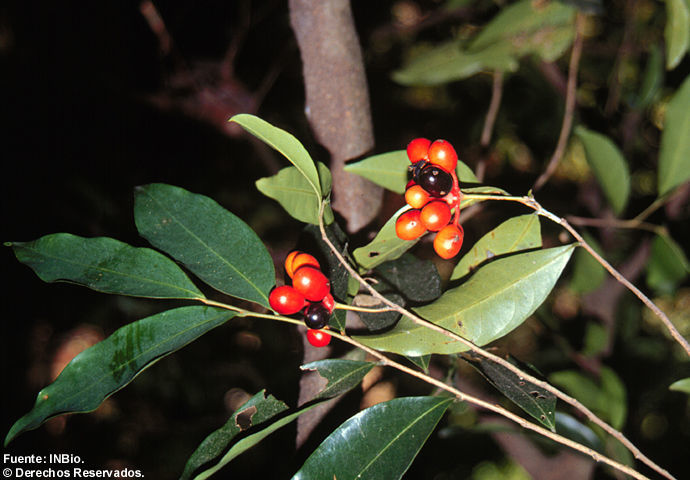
608,165
605,396
682,385
416,279
483,190
377,443
652,79
285,143
539,403
588,273
385,246
292,190
212,242
245,443
342,375
674,154
390,170
99,371
573,429
667,265
494,301
254,412
515,234
106,265
677,32
379,320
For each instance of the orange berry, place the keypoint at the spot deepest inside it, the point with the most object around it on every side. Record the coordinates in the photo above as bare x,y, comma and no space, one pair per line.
409,225
299,259
417,149
448,241
435,215
442,154
416,196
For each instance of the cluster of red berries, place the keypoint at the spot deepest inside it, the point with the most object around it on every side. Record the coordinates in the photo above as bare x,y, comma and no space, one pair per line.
309,294
434,195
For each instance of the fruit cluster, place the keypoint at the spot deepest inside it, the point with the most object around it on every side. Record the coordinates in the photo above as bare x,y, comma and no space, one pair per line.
434,195
309,294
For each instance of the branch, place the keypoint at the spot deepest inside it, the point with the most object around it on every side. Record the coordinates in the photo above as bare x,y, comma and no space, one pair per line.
490,120
570,98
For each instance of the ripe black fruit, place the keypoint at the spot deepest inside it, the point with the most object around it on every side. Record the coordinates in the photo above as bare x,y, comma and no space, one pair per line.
316,316
435,181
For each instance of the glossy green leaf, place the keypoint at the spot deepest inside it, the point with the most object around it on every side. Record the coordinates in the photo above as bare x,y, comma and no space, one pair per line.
608,165
676,32
518,233
286,144
106,265
605,396
294,193
422,362
537,402
254,412
384,247
491,303
378,443
483,190
389,170
588,273
682,385
213,243
342,375
250,418
667,265
652,79
99,371
573,429
415,279
674,154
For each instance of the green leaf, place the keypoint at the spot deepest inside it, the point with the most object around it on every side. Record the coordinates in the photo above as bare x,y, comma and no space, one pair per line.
682,385
518,233
105,265
494,301
422,362
384,247
99,371
379,320
652,79
667,265
674,154
676,32
294,193
539,403
254,412
213,243
605,397
218,441
483,190
377,443
286,144
608,165
389,170
571,428
342,375
588,273
415,279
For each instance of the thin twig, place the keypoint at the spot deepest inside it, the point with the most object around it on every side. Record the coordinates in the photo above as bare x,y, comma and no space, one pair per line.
492,113
528,201
570,97
616,223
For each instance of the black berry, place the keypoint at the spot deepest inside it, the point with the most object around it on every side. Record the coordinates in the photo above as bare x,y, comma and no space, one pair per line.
316,316
435,181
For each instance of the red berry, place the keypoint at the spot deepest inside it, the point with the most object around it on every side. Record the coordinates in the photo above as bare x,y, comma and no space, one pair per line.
329,302
442,154
299,259
318,338
313,284
416,196
285,300
448,241
409,225
417,149
435,215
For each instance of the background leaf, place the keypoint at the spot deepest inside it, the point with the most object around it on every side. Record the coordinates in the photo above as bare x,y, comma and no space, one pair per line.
518,233
99,371
295,194
676,32
539,403
377,443
254,412
494,301
667,265
285,143
682,385
573,429
106,265
588,273
417,280
674,154
342,375
212,242
608,165
652,79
